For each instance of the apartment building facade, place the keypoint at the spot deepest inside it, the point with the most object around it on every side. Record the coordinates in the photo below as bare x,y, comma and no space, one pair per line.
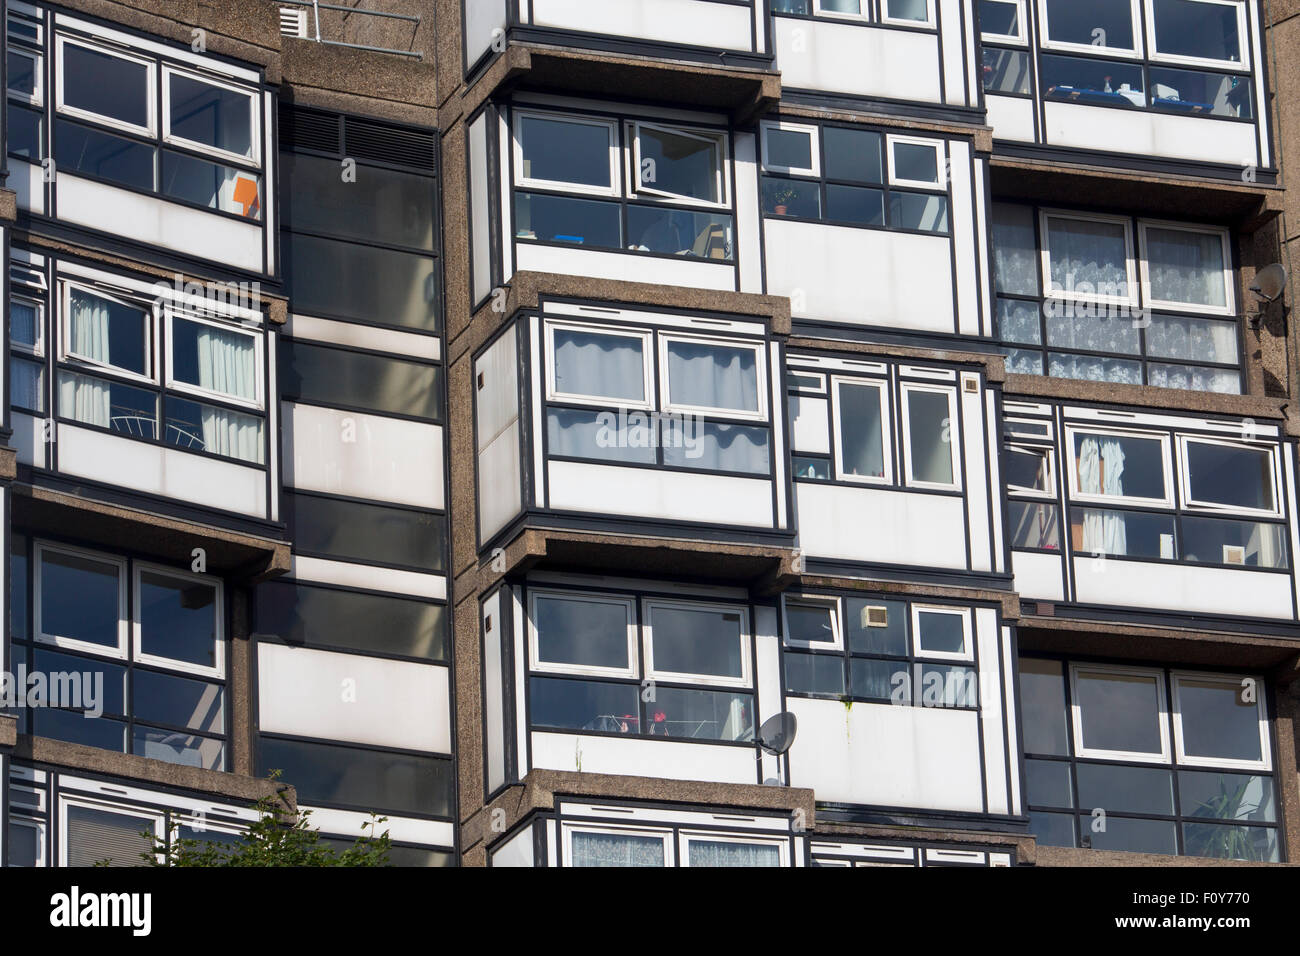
492,414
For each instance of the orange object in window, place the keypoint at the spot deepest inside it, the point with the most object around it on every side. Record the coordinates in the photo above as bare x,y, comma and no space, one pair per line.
246,194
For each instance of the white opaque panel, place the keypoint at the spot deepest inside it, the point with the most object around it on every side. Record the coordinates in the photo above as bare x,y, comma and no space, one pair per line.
362,456
1150,134
1182,587
496,400
882,755
954,49
858,60
482,17
500,483
861,276
649,493
494,692
363,700
517,851
887,527
767,673
348,823
369,578
979,520
157,470
29,439
1011,117
628,267
157,222
405,344
747,213
27,180
1038,575
990,699
810,425
480,231
962,221
643,757
688,22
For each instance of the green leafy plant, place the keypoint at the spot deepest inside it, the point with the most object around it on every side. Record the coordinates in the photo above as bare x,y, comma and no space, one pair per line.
1222,842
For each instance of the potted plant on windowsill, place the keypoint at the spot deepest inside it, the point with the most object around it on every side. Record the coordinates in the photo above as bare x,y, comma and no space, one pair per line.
781,194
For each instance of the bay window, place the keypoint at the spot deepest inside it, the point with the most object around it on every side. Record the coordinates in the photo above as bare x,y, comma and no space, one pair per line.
631,185
590,651
1148,760
595,843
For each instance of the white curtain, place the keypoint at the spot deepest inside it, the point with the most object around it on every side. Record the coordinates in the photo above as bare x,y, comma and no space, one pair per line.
25,384
1101,471
603,366
227,365
613,849
719,853
82,398
1086,251
722,448
1015,250
713,376
1193,340
1186,267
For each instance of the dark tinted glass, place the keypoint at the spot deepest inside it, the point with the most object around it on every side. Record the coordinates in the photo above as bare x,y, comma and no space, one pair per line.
90,683
179,702
1213,795
814,674
1092,82
376,624
852,154
700,714
1073,22
571,630
79,149
25,133
1053,829
580,222
348,530
791,148
80,598
565,151
1048,783
584,705
334,278
856,205
867,634
792,197
75,728
1042,704
380,205
336,376
211,115
702,235
1135,836
105,84
211,184
1119,789
188,750
178,619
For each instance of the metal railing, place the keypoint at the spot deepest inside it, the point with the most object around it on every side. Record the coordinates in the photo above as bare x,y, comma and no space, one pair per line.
315,6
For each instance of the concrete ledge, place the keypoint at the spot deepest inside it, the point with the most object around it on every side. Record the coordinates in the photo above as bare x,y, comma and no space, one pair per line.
1009,600
995,366
1069,856
8,731
1149,398
1188,646
8,205
8,463
1022,846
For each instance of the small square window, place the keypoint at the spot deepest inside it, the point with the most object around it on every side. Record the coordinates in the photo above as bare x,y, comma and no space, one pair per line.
106,86
812,623
916,162
583,634
1119,714
599,366
705,375
210,116
791,149
81,601
942,632
1002,20
686,165
1221,721
907,11
569,153
697,643
179,621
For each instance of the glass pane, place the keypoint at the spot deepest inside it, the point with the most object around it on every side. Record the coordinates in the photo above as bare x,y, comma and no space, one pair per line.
1230,842
215,359
841,6
24,322
179,702
1251,544
25,138
943,685
999,18
792,6
350,530
810,623
616,849
80,598
1116,789
855,205
1067,329
1015,249
116,159
27,384
1118,712
1227,796
1019,322
1024,362
1201,93
1221,381
1123,534
916,162
599,364
812,469
1069,21
1034,525
21,68
564,151
1217,722
1093,369
334,376
876,627
108,332
103,838
178,619
1120,465
603,436
381,286
708,445
1194,28
791,197
218,431
697,641
700,714
1006,71
814,674
95,401
930,430
1042,702
1076,79
1049,783
852,155
1230,475
703,375
701,235
788,148
26,843
188,750
94,686
105,84
584,632
1088,257
584,705
19,583
907,10
725,853
382,205
940,632
1134,836
75,728
1027,470
1186,267
917,211
212,115
861,437
889,681
211,184
1195,340
575,221
1053,829
681,164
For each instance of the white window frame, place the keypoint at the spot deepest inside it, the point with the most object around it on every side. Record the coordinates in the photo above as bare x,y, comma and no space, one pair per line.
966,655
814,132
954,435
863,15
71,643
1010,424
150,130
1130,271
1103,499
137,625
638,189
30,16
65,332
1265,763
1021,38
832,604
553,394
258,402
940,162
37,97
39,826
760,381
810,389
156,817
18,294
568,829
1229,308
746,679
1243,36
905,21
686,837
614,190
886,430
1162,704
1047,453
1185,472
1047,43
255,140
535,661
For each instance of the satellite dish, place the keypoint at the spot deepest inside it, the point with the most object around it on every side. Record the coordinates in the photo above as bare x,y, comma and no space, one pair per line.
776,736
1269,282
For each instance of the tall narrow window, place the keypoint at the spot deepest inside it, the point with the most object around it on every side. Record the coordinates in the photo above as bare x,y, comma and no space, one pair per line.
931,436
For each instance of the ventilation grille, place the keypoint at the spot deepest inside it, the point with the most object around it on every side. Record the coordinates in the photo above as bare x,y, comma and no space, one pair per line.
293,22
366,139
310,129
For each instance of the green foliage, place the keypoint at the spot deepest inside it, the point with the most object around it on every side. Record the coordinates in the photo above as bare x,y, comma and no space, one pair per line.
1222,842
